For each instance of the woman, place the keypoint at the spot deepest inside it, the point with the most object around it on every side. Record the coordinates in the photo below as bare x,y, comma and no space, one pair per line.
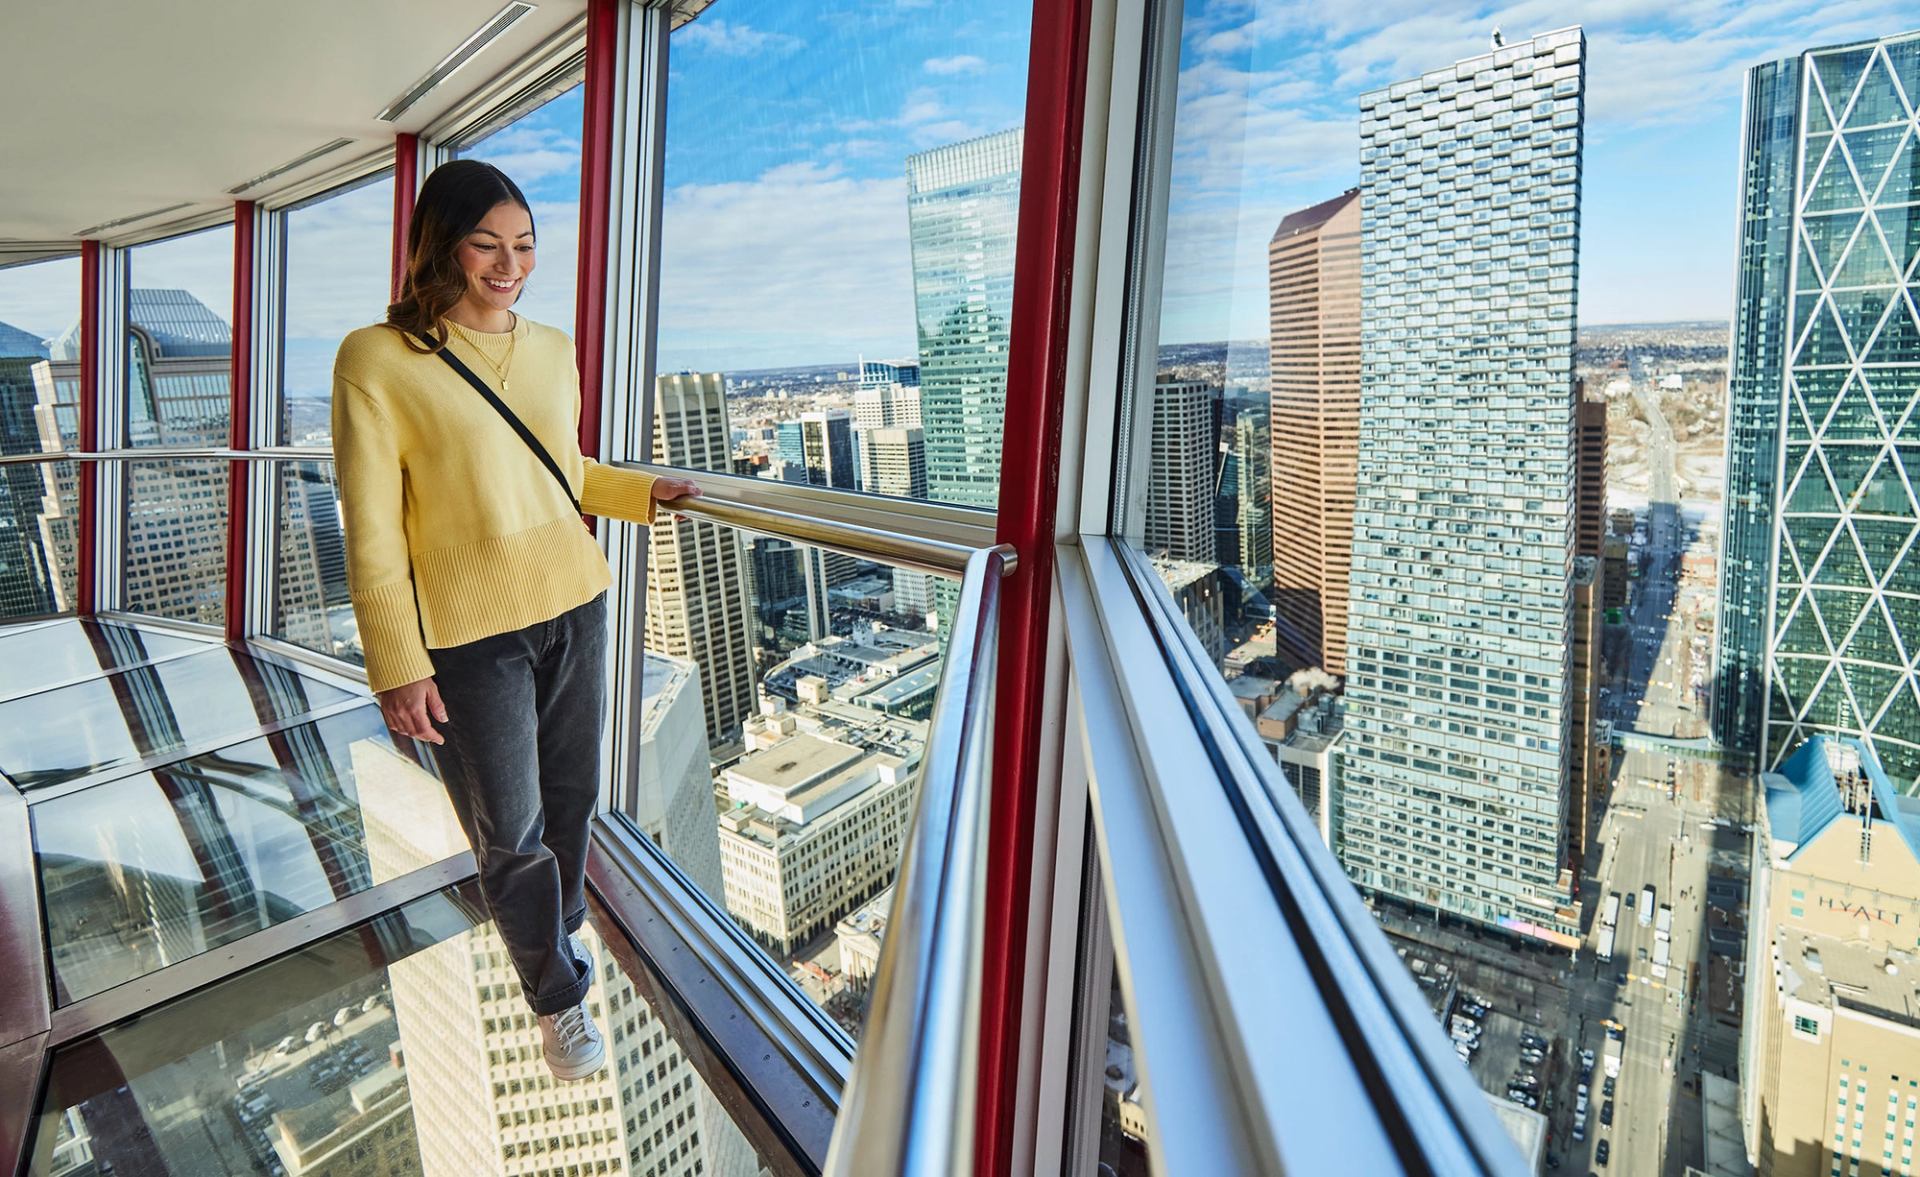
479,594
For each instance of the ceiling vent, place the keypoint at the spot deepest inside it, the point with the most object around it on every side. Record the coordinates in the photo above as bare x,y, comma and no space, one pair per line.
467,50
296,162
105,225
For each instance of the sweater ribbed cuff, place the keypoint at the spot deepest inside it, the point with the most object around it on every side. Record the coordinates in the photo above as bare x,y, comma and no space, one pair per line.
390,636
617,493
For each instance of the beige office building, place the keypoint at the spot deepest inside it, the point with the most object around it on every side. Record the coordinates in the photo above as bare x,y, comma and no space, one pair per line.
698,602
820,806
894,462
1313,305
1831,1045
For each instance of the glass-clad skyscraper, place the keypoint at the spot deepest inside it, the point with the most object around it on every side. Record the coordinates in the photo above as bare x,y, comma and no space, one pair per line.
1456,765
1769,150
963,203
1828,401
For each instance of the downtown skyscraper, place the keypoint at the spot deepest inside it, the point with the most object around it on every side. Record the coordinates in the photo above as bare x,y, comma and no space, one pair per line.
697,583
1456,770
1313,361
1820,594
963,205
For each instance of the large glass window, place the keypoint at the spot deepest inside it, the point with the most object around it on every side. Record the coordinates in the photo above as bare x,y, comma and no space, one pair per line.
838,236
337,276
787,698
1430,452
540,151
39,329
178,380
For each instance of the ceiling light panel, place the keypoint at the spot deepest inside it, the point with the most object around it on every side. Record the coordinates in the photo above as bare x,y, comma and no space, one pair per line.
467,50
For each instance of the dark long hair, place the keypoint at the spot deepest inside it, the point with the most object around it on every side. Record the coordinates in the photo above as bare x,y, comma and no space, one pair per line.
452,201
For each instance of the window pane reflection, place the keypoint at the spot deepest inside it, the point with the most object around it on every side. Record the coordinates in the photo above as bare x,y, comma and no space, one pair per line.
38,303
838,235
74,731
144,872
540,152
311,606
410,1052
339,261
787,696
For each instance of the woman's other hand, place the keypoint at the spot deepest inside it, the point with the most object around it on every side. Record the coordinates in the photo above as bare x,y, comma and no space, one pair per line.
408,709
665,490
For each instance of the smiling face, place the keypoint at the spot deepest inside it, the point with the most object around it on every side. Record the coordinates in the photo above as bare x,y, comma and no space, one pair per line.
497,257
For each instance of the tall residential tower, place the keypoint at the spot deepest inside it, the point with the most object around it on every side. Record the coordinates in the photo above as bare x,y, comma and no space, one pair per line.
1455,790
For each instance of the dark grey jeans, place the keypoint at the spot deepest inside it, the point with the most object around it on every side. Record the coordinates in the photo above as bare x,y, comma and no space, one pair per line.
522,766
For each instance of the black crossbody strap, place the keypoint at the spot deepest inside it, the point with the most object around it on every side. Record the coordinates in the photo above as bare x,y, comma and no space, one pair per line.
500,406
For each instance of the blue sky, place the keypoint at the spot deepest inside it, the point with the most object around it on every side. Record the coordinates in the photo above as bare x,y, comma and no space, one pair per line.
788,127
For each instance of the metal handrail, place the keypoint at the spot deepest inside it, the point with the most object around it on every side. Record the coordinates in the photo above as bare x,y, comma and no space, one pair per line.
282,453
940,557
909,1104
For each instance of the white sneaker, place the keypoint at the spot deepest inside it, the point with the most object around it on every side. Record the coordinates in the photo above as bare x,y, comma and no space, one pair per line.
572,1043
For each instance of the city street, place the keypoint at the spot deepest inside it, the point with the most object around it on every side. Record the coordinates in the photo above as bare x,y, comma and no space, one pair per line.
1669,821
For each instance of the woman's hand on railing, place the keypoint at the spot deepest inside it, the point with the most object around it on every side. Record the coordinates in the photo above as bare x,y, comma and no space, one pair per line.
665,490
410,710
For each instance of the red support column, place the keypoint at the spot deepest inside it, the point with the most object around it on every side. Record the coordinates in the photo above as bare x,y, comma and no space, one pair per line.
240,420
1029,497
406,183
596,204
87,528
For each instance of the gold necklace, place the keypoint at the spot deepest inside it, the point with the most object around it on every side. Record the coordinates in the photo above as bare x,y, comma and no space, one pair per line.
513,338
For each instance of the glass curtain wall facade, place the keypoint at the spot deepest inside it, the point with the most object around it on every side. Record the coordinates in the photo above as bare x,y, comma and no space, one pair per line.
963,204
1845,597
1456,769
1757,355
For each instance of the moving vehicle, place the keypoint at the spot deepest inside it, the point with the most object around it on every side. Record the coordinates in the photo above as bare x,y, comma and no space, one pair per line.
1616,1034
1604,950
1646,906
1662,957
1611,915
1663,923
1600,1153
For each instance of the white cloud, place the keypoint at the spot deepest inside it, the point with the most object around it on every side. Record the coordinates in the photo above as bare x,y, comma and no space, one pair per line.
803,263
963,63
734,40
339,263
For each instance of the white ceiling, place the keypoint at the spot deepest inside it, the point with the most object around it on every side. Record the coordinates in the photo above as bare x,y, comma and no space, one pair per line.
118,109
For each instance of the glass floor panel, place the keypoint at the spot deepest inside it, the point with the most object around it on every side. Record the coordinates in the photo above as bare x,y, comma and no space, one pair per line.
142,872
402,1047
39,657
120,719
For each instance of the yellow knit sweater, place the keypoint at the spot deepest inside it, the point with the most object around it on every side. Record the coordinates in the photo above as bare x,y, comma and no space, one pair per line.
455,530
